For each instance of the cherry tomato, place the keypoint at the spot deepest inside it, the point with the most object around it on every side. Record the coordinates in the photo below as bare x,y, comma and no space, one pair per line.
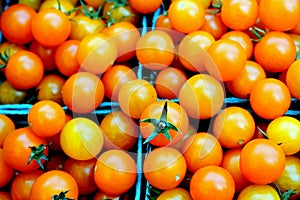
239,15
65,57
155,50
137,90
212,183
293,73
205,96
10,95
126,35
231,162
285,131
290,177
51,27
275,52
22,184
7,172
46,118
175,114
202,149
120,131
164,168
50,88
175,193
24,70
182,11
243,39
169,81
45,53
19,146
5,195
234,127
83,92
279,15
120,12
268,94
114,78
115,176
242,84
82,26
262,161
46,186
192,50
81,139
214,24
224,53
6,126
10,49
83,173
145,7
258,191
93,48
16,23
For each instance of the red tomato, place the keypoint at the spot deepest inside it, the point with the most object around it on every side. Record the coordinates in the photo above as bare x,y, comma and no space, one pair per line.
24,70
83,92
161,133
51,27
164,168
205,96
16,23
19,147
268,94
202,149
46,186
5,195
262,161
212,183
115,172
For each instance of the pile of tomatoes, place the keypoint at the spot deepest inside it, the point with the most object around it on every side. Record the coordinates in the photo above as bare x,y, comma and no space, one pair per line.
136,99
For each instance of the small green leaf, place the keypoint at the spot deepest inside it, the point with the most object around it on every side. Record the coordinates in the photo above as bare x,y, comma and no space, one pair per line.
172,127
151,136
166,133
287,194
262,132
164,113
61,196
37,154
